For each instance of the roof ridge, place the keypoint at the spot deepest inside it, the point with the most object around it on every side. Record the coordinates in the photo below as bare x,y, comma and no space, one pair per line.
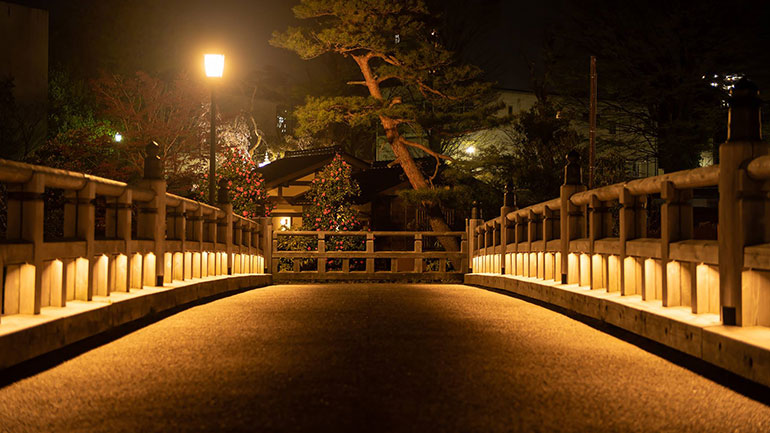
314,151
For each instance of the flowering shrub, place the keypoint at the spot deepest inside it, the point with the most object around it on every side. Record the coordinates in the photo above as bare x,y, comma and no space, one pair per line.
330,192
244,183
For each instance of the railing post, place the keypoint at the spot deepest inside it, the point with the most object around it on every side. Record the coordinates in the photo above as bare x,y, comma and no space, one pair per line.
197,234
224,203
676,220
322,253
595,231
122,278
267,245
370,252
86,221
274,247
152,216
32,231
741,201
504,211
472,225
569,223
518,237
531,237
418,249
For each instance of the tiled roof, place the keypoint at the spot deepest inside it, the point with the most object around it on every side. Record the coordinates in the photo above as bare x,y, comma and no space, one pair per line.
299,163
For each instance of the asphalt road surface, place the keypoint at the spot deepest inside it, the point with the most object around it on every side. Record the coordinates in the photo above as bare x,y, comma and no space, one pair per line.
372,358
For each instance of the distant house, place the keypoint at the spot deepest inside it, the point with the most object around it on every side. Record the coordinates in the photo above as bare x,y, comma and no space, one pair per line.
380,208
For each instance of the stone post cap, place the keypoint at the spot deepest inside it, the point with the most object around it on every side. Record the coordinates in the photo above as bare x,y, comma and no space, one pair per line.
153,166
573,174
509,197
475,210
223,196
745,118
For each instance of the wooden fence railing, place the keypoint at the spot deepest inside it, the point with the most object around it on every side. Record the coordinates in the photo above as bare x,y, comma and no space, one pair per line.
598,238
172,238
315,255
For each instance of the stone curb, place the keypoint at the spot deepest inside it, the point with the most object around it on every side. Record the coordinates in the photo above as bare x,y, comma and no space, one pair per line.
23,337
743,351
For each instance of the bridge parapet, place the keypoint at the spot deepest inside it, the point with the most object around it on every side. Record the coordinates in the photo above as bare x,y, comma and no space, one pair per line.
148,237
598,238
314,256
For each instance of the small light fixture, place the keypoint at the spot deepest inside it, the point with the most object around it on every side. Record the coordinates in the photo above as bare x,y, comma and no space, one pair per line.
470,150
118,137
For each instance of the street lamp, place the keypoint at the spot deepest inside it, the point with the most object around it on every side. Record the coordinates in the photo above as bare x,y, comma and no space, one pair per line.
215,65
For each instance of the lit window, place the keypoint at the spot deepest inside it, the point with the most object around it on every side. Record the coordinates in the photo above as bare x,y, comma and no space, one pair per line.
285,223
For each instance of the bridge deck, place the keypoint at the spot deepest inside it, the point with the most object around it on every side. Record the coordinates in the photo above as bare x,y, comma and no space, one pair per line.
372,358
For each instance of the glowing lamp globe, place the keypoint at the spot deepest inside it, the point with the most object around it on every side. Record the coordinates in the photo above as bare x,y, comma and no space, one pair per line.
215,64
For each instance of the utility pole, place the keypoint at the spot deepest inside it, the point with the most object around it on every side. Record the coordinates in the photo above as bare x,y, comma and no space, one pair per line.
592,126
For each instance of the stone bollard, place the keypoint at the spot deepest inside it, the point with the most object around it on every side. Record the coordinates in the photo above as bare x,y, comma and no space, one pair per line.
741,200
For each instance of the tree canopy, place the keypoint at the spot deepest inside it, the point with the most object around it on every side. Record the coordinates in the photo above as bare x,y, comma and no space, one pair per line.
410,84
661,70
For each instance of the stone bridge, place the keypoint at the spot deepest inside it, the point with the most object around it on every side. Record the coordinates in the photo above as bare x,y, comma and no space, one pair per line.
393,356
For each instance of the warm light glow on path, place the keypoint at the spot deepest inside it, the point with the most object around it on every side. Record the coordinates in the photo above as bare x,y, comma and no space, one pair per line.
370,358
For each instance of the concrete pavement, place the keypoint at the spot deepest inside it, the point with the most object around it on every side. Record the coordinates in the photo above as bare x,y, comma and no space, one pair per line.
372,358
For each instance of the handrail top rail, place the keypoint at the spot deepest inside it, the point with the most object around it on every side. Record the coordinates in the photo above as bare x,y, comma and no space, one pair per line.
699,177
21,172
684,179
537,208
759,168
179,199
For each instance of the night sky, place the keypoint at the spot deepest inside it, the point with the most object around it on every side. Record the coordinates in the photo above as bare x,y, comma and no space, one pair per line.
168,36
171,35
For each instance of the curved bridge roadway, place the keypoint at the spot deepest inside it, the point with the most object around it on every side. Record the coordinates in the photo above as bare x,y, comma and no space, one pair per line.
372,358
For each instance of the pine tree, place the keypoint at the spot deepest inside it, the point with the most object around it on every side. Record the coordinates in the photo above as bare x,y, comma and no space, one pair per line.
411,82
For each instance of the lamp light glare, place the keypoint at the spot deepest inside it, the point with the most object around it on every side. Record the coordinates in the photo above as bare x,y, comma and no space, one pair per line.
215,64
470,150
118,137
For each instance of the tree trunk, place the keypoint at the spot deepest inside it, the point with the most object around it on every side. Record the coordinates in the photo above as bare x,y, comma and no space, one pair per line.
404,158
418,182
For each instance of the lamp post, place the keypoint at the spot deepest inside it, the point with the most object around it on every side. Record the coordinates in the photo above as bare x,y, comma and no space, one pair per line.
215,65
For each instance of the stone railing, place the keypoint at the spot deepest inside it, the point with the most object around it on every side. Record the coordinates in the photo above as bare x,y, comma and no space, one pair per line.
150,237
598,238
382,255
